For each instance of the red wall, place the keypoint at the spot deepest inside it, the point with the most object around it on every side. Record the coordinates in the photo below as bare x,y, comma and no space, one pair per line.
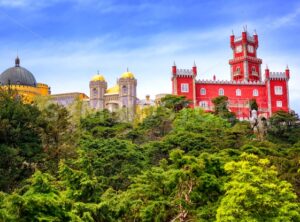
238,104
283,97
188,80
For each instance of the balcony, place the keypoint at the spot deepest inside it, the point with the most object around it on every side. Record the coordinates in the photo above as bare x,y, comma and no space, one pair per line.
237,73
254,73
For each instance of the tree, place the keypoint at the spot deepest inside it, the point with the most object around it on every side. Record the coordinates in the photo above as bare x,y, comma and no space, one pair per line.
221,109
59,136
284,127
20,142
40,200
175,103
253,104
254,193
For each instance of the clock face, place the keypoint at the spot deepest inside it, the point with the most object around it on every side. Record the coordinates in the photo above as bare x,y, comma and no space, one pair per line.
250,48
238,49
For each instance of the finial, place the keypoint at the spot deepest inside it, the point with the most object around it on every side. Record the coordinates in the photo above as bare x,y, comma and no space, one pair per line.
267,66
232,32
98,72
255,33
287,67
214,77
174,64
127,69
195,64
17,61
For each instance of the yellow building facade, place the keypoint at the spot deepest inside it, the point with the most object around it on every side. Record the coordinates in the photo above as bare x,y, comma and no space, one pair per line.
23,82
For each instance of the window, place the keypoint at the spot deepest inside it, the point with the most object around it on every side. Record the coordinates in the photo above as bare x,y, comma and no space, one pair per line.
255,92
279,103
184,87
95,92
221,92
124,89
278,90
253,69
238,92
203,104
238,69
203,91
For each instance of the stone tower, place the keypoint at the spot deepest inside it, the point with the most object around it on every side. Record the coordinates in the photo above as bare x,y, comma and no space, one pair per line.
98,87
127,95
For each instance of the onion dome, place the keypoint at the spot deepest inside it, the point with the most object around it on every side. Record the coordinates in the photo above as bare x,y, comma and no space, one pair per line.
127,75
17,76
98,77
113,90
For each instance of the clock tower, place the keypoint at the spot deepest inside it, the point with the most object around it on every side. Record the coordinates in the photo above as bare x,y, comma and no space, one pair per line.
245,66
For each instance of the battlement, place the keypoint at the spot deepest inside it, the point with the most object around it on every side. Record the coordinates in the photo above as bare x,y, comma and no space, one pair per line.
240,38
231,82
184,72
278,75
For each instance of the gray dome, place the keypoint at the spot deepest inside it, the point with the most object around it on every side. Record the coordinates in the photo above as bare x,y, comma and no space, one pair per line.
17,76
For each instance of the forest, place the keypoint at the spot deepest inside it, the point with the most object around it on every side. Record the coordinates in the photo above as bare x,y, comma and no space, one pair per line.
172,164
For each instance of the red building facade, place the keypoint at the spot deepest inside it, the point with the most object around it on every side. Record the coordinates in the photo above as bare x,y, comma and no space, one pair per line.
270,93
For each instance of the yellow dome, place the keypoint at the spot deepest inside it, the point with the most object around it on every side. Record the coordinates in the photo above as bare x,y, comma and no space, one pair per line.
113,90
98,78
127,75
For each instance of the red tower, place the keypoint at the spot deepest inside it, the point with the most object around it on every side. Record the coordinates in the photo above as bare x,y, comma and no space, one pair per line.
245,66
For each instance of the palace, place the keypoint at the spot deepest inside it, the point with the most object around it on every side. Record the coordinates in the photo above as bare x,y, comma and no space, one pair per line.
120,96
22,81
271,94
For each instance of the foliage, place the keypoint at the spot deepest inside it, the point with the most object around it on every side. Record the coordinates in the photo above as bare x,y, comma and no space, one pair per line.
172,164
20,142
253,104
221,108
284,127
254,193
175,103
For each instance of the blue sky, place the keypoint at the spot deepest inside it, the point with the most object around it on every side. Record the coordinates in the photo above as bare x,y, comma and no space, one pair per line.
64,42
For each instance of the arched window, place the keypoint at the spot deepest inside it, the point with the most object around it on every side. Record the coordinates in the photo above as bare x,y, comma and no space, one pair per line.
221,92
238,69
124,89
203,91
95,92
253,69
238,92
255,92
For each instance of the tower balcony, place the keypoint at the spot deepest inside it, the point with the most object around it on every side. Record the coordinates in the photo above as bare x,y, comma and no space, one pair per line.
254,73
237,73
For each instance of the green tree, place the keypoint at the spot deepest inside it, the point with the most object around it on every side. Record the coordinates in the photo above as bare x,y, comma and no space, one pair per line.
221,108
255,193
40,200
20,142
175,103
59,136
284,127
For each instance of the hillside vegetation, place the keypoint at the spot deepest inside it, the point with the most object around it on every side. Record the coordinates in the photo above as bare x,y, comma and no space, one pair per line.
177,164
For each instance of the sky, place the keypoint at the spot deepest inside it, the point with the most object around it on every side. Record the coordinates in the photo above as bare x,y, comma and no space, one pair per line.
65,42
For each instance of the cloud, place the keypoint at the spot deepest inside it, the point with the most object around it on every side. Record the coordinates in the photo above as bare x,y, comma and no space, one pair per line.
286,20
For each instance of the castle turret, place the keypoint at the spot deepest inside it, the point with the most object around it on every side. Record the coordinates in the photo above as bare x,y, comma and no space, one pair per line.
98,86
194,69
128,95
245,66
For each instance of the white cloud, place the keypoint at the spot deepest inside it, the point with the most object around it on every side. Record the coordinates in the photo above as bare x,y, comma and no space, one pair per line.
291,18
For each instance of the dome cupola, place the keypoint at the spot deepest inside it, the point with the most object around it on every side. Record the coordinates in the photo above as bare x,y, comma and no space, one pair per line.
17,75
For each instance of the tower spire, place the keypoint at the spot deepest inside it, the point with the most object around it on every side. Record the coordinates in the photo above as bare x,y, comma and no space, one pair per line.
17,61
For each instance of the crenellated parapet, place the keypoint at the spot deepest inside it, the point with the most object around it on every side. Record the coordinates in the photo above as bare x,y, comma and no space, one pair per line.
230,82
184,72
